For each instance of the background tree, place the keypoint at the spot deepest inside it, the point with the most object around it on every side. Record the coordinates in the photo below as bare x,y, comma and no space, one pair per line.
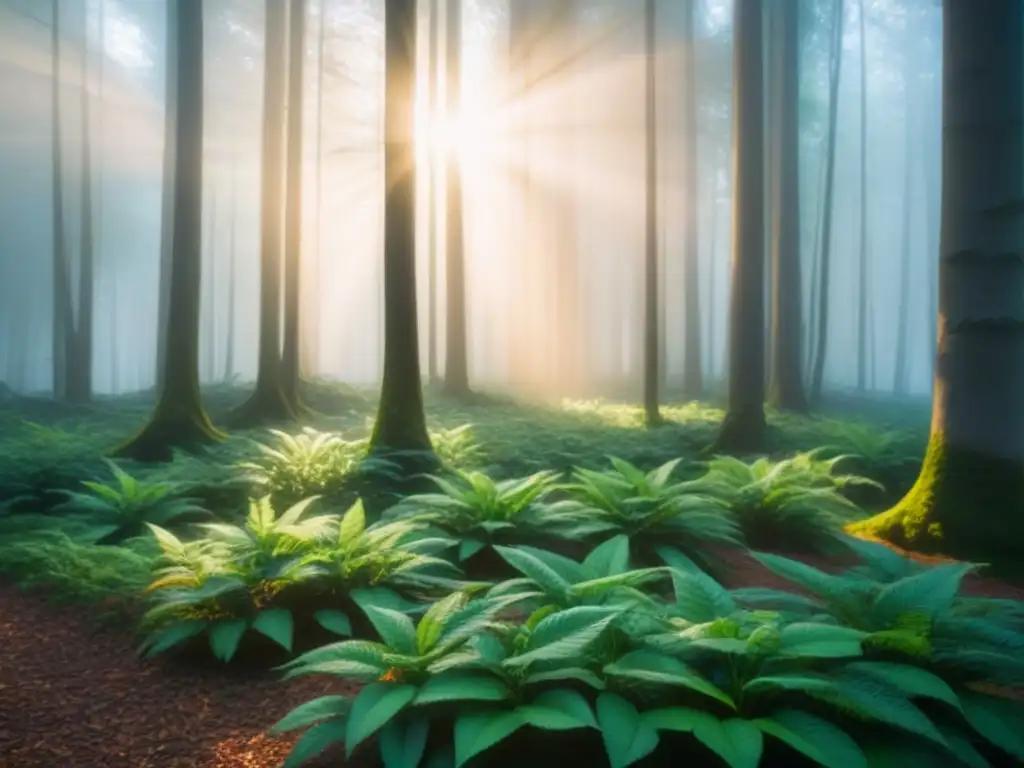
652,415
744,424
693,372
180,421
401,422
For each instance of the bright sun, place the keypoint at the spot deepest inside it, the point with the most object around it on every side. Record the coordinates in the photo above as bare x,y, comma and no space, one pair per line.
450,136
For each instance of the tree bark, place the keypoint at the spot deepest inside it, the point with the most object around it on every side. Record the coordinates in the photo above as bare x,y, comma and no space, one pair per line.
61,279
862,264
901,368
967,497
456,363
180,420
229,332
167,207
743,428
825,258
434,85
693,374
401,422
269,402
652,414
786,389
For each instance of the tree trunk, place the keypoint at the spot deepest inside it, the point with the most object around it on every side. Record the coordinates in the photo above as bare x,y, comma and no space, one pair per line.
167,207
862,264
900,375
456,363
179,420
209,313
434,86
966,501
229,333
401,422
269,402
293,209
786,389
693,375
825,258
61,279
744,425
652,415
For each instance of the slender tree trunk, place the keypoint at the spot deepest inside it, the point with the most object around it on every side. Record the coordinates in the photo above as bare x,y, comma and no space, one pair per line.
209,324
433,66
401,422
270,401
652,415
61,278
744,425
966,501
693,375
825,259
229,333
862,264
900,377
179,420
293,208
786,389
456,364
167,207
713,278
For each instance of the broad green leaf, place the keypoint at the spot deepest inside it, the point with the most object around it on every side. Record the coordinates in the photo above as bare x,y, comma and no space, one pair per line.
429,628
276,623
998,720
225,637
815,737
403,742
929,591
627,738
608,558
395,629
462,686
530,566
469,547
564,635
352,525
373,708
334,621
313,711
579,674
479,731
653,667
738,742
912,681
314,741
558,710
171,636
823,641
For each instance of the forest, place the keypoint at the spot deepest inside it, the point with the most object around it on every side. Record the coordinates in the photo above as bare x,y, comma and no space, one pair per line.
480,383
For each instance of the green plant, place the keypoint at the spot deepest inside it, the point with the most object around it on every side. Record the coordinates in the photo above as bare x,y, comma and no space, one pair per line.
308,464
479,510
701,674
456,447
796,503
120,511
252,577
649,507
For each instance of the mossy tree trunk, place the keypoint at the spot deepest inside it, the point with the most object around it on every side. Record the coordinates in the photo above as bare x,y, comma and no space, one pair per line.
652,378
290,360
269,402
180,420
401,422
456,363
967,499
693,374
786,388
744,425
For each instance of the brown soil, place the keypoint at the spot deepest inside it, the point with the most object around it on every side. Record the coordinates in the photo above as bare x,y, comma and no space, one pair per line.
75,696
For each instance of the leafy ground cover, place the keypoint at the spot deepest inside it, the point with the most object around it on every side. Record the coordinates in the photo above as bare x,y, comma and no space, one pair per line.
570,585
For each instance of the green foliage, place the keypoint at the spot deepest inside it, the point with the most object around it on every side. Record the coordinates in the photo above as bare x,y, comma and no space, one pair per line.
796,503
479,510
308,464
121,510
699,668
252,577
649,507
457,447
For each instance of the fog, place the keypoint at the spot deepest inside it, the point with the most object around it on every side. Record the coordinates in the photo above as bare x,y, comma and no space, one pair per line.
575,137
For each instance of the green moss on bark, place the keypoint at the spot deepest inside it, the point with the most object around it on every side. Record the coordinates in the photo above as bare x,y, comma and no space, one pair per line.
964,504
183,426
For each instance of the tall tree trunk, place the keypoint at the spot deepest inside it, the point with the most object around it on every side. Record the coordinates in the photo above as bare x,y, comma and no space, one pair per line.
652,415
61,278
456,363
167,207
900,376
293,208
966,501
825,258
180,420
229,332
744,425
434,85
401,423
862,264
786,389
269,401
693,375
712,277
209,319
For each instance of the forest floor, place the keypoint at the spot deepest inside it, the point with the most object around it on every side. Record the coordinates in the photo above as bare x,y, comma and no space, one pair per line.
75,693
